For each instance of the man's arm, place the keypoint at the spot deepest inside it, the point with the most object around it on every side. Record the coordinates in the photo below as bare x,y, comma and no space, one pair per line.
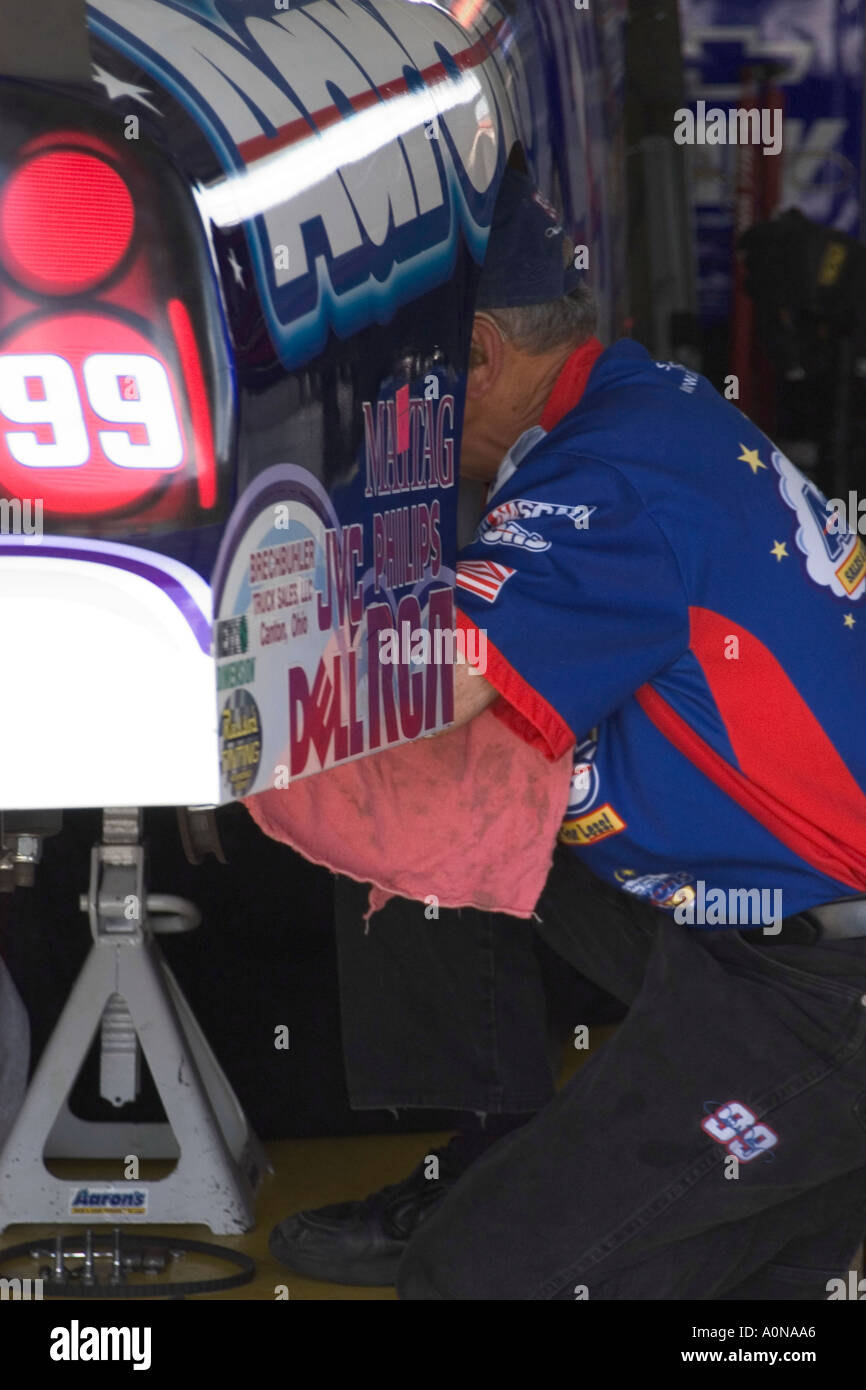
472,694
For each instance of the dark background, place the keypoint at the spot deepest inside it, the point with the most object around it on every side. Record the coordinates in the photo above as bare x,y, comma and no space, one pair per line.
264,955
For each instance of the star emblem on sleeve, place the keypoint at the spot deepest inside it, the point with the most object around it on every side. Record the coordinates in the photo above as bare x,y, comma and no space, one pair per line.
849,620
752,458
780,550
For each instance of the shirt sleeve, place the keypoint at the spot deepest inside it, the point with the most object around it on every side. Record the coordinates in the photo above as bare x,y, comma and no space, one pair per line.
576,596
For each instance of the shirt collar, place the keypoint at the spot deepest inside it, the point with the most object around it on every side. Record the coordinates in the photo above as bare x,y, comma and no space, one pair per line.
515,456
571,383
567,391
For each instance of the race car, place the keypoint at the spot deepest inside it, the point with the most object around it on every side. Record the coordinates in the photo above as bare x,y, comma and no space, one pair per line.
238,250
239,247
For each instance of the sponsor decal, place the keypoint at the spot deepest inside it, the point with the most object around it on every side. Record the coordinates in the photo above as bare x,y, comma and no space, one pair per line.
835,555
326,679
107,1201
235,673
583,788
357,143
408,446
662,890
232,637
502,525
409,443
850,573
240,735
592,828
735,1126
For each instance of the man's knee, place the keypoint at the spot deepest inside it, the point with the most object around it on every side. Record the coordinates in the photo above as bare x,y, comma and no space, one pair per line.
440,1259
413,1279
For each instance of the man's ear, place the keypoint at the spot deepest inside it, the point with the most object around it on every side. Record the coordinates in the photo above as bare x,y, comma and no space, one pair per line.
486,356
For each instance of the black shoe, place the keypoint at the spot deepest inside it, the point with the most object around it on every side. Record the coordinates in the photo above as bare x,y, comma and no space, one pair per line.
363,1242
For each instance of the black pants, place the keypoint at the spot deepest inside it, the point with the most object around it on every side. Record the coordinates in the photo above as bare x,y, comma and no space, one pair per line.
616,1190
454,1013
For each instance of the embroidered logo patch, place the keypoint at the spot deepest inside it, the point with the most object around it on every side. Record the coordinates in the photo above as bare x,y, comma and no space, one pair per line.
502,525
736,1127
482,577
663,890
583,788
835,557
588,830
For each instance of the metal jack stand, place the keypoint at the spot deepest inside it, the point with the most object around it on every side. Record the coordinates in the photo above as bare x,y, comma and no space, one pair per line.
126,988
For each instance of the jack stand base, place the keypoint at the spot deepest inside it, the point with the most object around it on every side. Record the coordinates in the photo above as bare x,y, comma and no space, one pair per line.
220,1162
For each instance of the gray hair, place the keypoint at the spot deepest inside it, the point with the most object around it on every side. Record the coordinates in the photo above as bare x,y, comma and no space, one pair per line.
539,328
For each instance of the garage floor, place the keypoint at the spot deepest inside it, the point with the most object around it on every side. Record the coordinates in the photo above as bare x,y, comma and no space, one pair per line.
307,1173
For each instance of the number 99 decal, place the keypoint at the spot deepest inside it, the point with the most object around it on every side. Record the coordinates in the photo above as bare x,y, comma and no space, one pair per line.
735,1126
107,422
144,399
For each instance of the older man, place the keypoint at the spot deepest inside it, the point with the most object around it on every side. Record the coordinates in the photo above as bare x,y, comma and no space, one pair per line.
668,595
456,1015
662,592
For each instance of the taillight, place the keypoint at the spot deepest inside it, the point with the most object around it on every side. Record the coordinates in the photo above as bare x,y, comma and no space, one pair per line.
107,343
66,222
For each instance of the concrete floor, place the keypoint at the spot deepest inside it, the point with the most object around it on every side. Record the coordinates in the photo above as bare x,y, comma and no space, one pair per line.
307,1173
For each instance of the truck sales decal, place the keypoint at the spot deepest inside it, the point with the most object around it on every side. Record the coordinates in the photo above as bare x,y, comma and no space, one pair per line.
303,603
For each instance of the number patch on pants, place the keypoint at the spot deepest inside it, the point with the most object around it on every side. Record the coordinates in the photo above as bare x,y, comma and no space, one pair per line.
734,1126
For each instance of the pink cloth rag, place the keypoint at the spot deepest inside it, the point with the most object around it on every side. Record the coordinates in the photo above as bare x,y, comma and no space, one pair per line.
469,818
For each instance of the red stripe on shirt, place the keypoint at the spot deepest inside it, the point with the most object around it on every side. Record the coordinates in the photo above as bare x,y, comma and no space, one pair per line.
791,778
527,713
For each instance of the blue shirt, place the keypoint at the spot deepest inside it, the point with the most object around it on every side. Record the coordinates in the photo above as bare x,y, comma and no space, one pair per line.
660,591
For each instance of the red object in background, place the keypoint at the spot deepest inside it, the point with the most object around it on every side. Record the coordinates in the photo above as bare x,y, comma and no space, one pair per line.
66,222
756,199
95,418
96,484
199,408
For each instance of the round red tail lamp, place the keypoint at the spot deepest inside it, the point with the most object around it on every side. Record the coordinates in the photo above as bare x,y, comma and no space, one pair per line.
66,222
